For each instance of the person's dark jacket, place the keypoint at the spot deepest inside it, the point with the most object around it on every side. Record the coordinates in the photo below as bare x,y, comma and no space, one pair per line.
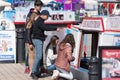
28,31
38,30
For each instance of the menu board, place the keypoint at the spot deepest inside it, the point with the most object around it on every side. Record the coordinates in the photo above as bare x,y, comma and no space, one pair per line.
112,23
7,45
94,24
7,40
110,62
108,0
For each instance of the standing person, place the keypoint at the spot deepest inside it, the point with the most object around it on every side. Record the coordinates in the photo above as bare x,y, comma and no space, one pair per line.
64,58
38,37
29,21
51,53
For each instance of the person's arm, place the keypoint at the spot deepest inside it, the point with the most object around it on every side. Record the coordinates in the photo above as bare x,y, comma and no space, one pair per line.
69,53
41,25
28,35
51,56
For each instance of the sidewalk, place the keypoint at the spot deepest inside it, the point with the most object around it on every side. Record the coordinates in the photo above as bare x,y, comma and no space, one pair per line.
11,71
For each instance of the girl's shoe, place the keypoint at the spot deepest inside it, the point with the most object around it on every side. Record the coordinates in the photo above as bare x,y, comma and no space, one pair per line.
27,70
34,76
55,74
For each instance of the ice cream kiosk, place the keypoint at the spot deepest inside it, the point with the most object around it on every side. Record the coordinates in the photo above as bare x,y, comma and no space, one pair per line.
96,32
86,36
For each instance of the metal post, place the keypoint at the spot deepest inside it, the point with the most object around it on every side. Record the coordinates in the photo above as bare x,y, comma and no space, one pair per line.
94,68
20,56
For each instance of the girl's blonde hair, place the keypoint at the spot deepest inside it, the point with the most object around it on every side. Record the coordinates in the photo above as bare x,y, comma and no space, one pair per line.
31,20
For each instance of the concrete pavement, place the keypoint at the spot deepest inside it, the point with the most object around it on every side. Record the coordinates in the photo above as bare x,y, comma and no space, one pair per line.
11,71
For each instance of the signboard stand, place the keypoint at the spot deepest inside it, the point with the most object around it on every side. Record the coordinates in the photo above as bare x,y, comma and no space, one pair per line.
7,41
110,62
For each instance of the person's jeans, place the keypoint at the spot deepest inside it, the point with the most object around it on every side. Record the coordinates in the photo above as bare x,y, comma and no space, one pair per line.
51,67
26,61
63,73
26,56
38,44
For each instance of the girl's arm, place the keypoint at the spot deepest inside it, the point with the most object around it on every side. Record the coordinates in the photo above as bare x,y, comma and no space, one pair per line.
51,56
69,54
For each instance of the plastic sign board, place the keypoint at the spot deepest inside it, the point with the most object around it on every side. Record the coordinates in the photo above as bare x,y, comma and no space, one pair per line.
6,24
7,45
7,41
113,23
109,39
91,5
21,16
18,1
110,62
92,24
77,36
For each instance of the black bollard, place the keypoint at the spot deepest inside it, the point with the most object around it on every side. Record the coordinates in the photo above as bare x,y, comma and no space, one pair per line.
94,68
20,47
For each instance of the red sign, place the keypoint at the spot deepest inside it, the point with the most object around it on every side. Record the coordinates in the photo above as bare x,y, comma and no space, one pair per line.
111,53
110,62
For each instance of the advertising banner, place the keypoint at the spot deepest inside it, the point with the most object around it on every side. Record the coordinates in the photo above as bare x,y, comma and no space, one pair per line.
7,45
110,62
109,39
7,40
112,23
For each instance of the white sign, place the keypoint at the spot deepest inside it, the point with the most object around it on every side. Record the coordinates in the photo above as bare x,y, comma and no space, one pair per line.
61,16
113,23
20,16
109,39
6,24
7,45
94,24
77,35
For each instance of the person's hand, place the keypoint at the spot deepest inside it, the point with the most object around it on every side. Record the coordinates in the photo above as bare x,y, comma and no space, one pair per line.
31,46
36,18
